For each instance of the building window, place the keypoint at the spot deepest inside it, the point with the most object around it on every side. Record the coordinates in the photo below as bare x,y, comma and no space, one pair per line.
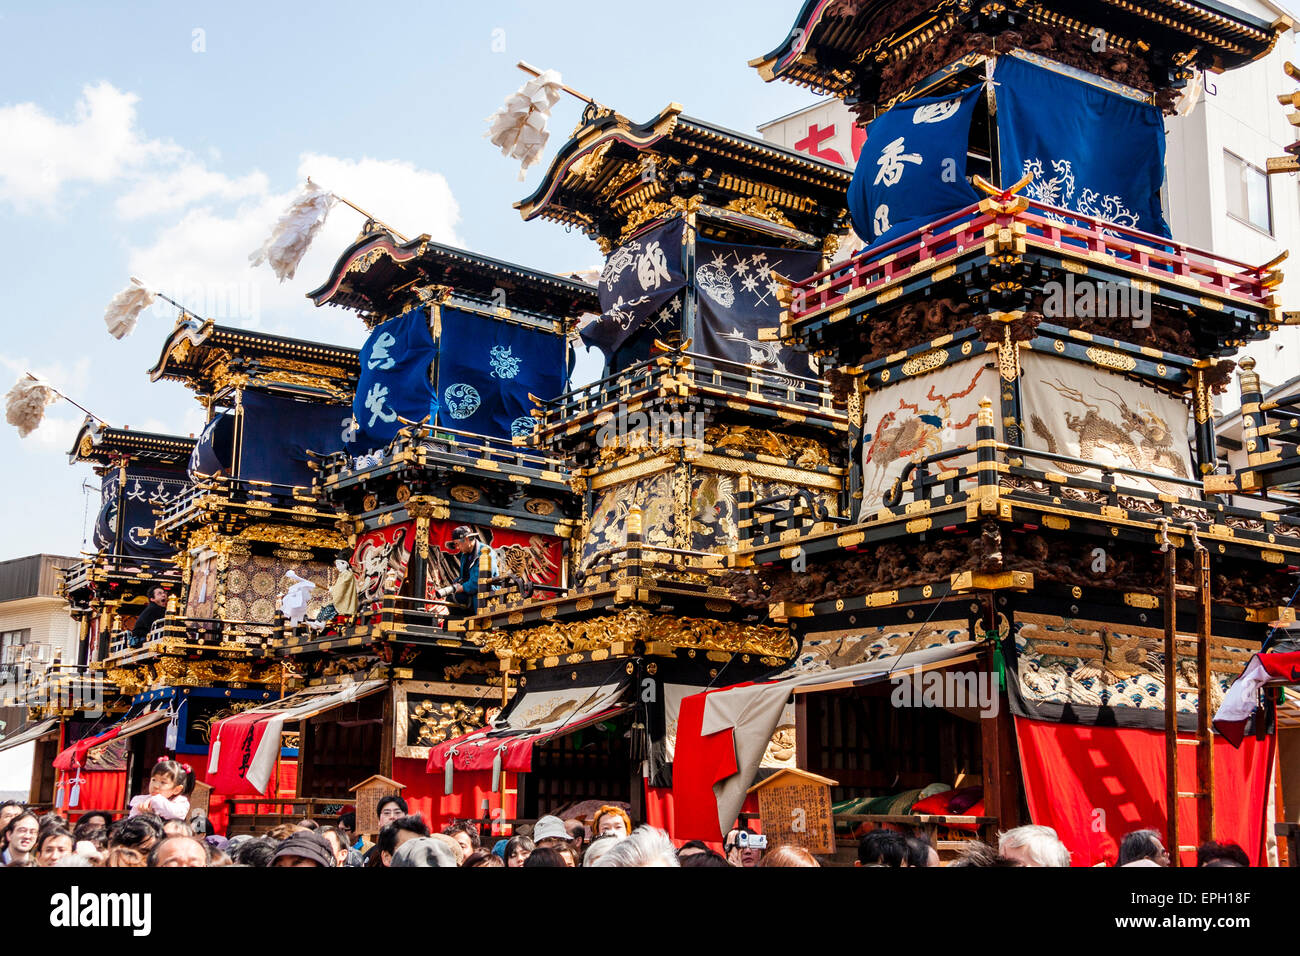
11,643
1248,193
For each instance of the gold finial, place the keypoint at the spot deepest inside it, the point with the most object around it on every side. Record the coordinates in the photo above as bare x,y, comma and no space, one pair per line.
986,413
634,520
1247,364
1249,380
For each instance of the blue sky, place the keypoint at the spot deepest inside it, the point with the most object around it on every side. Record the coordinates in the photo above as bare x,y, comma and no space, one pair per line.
161,140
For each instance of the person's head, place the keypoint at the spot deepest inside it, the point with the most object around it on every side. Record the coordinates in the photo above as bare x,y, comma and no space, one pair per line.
549,827
577,832
691,848
338,844
466,834
561,844
644,846
390,808
139,832
482,857
1142,845
398,832
254,852
882,848
546,856
464,539
1033,845
348,824
517,850
611,821
20,834
1221,854
281,832
308,824
177,828
920,852
437,849
304,848
218,857
158,595
789,856
8,810
741,848
178,851
124,856
707,858
170,779
598,848
53,845
92,820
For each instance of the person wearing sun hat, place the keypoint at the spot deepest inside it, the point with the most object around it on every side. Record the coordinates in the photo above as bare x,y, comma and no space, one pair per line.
304,848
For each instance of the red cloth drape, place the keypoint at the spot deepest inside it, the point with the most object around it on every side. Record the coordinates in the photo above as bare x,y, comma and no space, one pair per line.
424,793
1095,784
74,756
103,790
698,763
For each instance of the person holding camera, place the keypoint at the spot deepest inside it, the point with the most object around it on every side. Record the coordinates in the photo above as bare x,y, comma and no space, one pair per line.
744,847
464,590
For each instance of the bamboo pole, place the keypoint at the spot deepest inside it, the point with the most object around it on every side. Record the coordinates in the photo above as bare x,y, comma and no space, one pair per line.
534,71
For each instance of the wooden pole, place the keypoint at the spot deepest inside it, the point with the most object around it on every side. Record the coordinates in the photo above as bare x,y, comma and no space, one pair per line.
376,219
1171,701
534,71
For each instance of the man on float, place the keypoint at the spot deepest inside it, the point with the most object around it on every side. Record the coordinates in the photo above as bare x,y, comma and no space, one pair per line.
464,590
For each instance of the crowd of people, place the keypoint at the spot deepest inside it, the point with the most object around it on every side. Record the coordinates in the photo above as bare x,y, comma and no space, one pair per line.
145,838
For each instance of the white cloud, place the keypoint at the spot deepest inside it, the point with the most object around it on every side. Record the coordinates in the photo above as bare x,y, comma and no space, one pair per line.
187,185
40,154
202,261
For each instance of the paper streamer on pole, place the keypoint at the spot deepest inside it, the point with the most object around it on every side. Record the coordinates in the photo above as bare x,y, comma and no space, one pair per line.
519,127
294,231
123,313
26,402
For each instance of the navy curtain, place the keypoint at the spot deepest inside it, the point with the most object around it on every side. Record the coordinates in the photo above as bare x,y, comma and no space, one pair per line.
912,168
215,449
278,432
487,368
132,503
1091,150
735,292
638,287
394,380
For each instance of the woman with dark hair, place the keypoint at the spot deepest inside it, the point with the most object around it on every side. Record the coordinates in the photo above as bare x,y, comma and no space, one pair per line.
546,856
19,838
518,849
482,857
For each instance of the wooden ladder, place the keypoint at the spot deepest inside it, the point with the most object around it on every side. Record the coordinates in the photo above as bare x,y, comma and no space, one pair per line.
1203,793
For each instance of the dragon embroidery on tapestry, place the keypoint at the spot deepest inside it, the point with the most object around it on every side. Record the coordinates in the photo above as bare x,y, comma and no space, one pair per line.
1141,438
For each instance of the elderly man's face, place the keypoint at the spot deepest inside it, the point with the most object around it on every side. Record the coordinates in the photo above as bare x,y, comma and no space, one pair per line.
182,851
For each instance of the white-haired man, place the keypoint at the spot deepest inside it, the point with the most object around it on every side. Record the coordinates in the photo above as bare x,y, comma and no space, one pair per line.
1033,846
645,847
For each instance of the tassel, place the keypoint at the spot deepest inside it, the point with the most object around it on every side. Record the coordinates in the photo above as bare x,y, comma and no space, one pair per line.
496,769
519,127
75,799
58,796
447,774
173,729
123,312
294,231
214,759
26,402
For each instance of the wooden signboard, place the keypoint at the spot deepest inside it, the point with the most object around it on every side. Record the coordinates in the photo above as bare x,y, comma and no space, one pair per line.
369,792
795,809
201,797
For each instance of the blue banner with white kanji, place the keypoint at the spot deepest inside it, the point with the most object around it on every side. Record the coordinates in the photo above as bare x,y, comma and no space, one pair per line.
736,296
912,168
487,367
279,431
1090,150
395,380
638,288
214,452
133,504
